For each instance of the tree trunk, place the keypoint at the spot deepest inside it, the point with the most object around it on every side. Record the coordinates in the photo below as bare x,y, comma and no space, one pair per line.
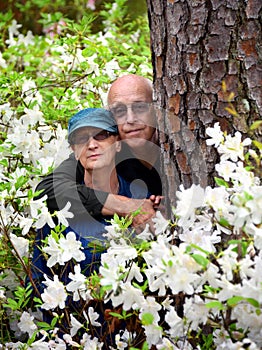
197,44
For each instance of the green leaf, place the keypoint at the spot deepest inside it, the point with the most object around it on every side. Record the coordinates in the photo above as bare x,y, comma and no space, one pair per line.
234,300
43,325
221,182
199,248
201,260
147,319
224,222
253,302
257,144
215,305
12,304
256,124
115,314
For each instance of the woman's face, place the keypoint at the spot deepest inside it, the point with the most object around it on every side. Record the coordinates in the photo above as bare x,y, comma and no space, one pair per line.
95,148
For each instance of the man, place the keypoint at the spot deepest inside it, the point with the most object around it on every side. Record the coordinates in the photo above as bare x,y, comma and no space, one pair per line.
130,99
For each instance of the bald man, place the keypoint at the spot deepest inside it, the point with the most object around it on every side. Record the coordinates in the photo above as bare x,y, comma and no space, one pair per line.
130,101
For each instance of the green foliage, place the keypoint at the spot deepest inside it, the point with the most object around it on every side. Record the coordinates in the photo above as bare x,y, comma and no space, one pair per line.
71,67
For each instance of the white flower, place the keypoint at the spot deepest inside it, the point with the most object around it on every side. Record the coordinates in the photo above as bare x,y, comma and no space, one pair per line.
216,135
21,245
110,275
65,249
3,63
6,112
90,343
32,116
134,272
257,233
217,198
201,235
151,306
233,148
122,251
55,252
25,223
54,295
13,28
64,214
225,169
78,285
68,339
71,248
146,234
160,223
255,205
153,334
129,296
188,200
40,213
175,323
45,164
26,323
92,317
2,294
75,325
112,68
195,312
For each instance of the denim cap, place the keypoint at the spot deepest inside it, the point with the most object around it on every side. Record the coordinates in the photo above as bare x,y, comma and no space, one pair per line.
94,117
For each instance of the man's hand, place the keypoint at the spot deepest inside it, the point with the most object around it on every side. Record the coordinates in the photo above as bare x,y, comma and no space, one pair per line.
156,200
126,206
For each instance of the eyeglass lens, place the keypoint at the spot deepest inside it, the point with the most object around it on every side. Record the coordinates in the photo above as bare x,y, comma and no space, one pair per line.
120,110
102,135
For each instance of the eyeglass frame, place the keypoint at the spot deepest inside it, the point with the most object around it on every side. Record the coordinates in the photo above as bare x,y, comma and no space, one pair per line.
128,106
95,135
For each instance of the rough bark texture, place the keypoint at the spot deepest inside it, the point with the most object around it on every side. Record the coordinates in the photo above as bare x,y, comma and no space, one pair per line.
197,44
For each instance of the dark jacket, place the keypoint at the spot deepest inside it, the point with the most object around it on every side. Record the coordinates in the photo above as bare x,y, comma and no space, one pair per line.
65,184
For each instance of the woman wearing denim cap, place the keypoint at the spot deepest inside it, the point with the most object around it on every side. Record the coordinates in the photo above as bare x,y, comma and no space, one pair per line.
93,136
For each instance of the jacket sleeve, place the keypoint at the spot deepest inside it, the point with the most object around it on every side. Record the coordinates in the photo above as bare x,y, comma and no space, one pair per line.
65,185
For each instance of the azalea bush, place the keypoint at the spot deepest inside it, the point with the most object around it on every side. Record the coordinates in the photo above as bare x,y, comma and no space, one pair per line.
193,282
186,283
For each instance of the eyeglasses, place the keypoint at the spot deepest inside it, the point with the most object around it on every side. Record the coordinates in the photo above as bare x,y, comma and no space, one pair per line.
120,110
100,136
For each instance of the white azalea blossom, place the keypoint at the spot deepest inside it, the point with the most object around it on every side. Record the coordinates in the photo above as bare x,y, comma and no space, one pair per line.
217,136
92,317
26,323
71,248
21,245
78,285
54,250
160,223
233,147
54,294
65,249
75,325
188,200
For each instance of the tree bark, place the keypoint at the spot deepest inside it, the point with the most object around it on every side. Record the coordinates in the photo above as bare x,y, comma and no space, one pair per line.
197,44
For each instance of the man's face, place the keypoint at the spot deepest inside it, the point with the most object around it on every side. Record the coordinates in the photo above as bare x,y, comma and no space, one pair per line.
95,148
131,105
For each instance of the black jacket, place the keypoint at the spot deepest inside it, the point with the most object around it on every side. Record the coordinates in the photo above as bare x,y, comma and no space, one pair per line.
65,183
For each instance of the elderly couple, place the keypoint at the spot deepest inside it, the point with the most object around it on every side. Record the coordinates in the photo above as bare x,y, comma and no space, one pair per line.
114,167
89,178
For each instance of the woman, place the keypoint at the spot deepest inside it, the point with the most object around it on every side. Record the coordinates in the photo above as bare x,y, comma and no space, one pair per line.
93,137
